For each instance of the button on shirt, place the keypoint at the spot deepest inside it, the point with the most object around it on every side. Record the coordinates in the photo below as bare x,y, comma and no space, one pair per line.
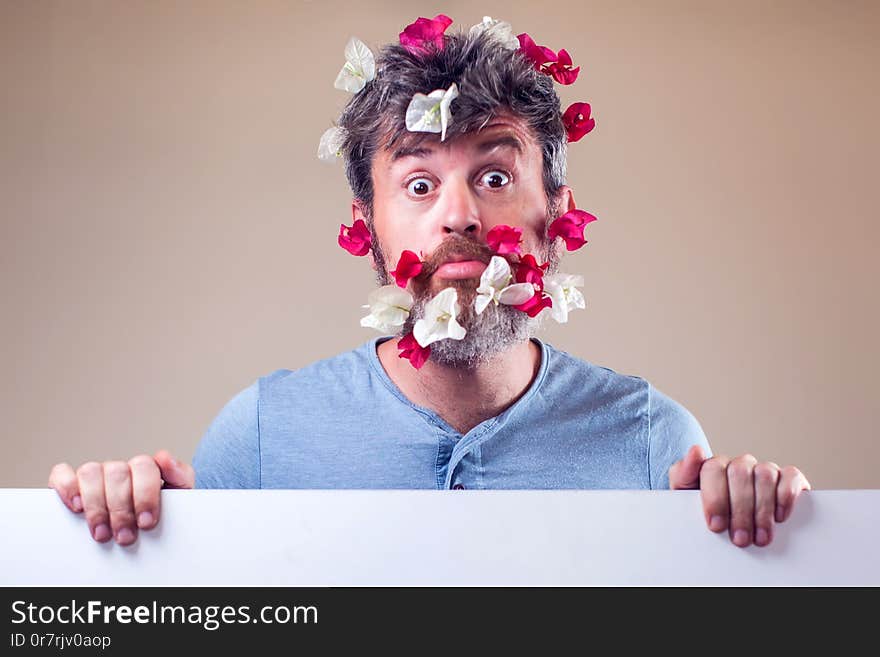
342,423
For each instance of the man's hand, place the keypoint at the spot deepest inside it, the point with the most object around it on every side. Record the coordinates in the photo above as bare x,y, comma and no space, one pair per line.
120,497
741,494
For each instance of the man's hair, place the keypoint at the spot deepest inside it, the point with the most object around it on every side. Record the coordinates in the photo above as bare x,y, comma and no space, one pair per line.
491,79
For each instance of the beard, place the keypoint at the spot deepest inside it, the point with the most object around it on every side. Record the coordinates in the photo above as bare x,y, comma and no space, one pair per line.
495,330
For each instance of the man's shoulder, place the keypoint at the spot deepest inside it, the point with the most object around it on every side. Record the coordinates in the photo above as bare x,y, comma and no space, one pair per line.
577,375
354,363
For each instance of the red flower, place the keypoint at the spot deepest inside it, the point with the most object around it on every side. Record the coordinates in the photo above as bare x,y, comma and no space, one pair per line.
547,61
416,353
504,239
529,271
355,238
408,266
536,304
570,227
577,121
417,37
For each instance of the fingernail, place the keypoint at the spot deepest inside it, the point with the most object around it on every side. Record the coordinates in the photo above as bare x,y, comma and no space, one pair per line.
124,536
102,533
145,519
762,537
76,503
716,523
741,537
780,513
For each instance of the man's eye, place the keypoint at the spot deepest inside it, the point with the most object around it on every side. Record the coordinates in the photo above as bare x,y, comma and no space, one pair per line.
419,186
495,179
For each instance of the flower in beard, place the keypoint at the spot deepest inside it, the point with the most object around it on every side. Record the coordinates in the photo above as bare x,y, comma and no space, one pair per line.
389,307
439,321
562,288
408,266
504,239
413,351
529,271
495,286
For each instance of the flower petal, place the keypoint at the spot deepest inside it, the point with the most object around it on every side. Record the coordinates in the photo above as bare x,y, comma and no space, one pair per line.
496,274
413,351
355,239
504,239
498,30
419,37
408,266
515,294
577,121
570,227
359,67
330,146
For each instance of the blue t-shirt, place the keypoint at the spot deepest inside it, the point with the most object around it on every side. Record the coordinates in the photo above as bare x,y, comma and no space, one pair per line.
342,423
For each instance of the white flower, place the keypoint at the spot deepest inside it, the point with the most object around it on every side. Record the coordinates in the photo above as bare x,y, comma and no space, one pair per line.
566,297
494,286
439,321
359,67
389,307
431,113
330,146
499,30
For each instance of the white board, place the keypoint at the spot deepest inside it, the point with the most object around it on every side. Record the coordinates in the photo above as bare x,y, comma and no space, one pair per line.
392,537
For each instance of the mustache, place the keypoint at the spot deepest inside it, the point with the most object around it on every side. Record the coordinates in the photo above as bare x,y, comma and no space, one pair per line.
466,248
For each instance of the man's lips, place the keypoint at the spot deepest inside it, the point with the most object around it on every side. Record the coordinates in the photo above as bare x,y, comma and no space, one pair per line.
460,269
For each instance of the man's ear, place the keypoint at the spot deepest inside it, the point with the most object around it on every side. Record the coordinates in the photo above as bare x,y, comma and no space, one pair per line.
357,212
565,199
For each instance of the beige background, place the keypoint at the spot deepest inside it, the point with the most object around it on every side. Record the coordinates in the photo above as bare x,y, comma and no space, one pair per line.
167,229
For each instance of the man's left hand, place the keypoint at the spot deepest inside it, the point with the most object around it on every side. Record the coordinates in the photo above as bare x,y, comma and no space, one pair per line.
741,495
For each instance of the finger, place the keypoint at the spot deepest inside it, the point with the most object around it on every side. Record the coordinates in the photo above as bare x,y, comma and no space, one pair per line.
685,474
766,478
741,485
63,480
117,489
713,491
791,483
174,473
146,482
90,477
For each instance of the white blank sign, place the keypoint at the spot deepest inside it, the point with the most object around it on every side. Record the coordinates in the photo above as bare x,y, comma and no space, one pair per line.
394,537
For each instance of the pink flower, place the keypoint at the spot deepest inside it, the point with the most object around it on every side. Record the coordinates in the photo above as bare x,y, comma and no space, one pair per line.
425,32
412,350
355,238
504,239
529,271
536,304
570,227
408,266
547,61
577,121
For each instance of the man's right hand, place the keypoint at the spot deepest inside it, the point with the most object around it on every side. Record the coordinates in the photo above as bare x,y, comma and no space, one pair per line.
120,497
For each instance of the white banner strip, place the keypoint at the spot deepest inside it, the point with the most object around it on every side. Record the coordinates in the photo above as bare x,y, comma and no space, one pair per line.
393,537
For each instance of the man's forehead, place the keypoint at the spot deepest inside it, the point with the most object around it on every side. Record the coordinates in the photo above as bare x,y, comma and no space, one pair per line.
499,132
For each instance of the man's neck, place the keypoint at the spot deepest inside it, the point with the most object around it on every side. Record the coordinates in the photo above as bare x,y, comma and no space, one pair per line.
464,397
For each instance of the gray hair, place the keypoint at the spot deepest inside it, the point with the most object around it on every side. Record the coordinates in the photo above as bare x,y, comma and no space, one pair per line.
491,79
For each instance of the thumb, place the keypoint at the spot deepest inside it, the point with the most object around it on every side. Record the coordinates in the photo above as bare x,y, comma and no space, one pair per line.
174,473
685,474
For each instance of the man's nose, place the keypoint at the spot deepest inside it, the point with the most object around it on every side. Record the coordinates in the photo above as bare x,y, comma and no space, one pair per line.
460,211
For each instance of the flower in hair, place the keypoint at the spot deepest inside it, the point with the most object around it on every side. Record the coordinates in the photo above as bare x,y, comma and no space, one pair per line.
498,30
439,321
419,36
359,67
408,266
389,307
570,227
431,113
504,239
355,239
577,121
562,289
558,66
413,351
495,286
330,146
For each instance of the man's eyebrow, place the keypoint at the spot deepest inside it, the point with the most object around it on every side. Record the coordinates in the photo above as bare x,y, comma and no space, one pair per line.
507,141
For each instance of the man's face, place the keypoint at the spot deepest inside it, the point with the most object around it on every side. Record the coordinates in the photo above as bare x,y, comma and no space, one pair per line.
440,200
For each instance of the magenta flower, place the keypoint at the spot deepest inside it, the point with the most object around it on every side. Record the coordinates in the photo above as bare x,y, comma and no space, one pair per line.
355,238
418,37
529,271
413,351
570,227
536,304
408,266
547,61
504,239
577,121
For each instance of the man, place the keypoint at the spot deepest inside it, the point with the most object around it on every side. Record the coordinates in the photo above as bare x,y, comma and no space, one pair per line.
462,397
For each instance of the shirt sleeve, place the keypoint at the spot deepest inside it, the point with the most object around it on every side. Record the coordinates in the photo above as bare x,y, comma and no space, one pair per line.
228,455
673,430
